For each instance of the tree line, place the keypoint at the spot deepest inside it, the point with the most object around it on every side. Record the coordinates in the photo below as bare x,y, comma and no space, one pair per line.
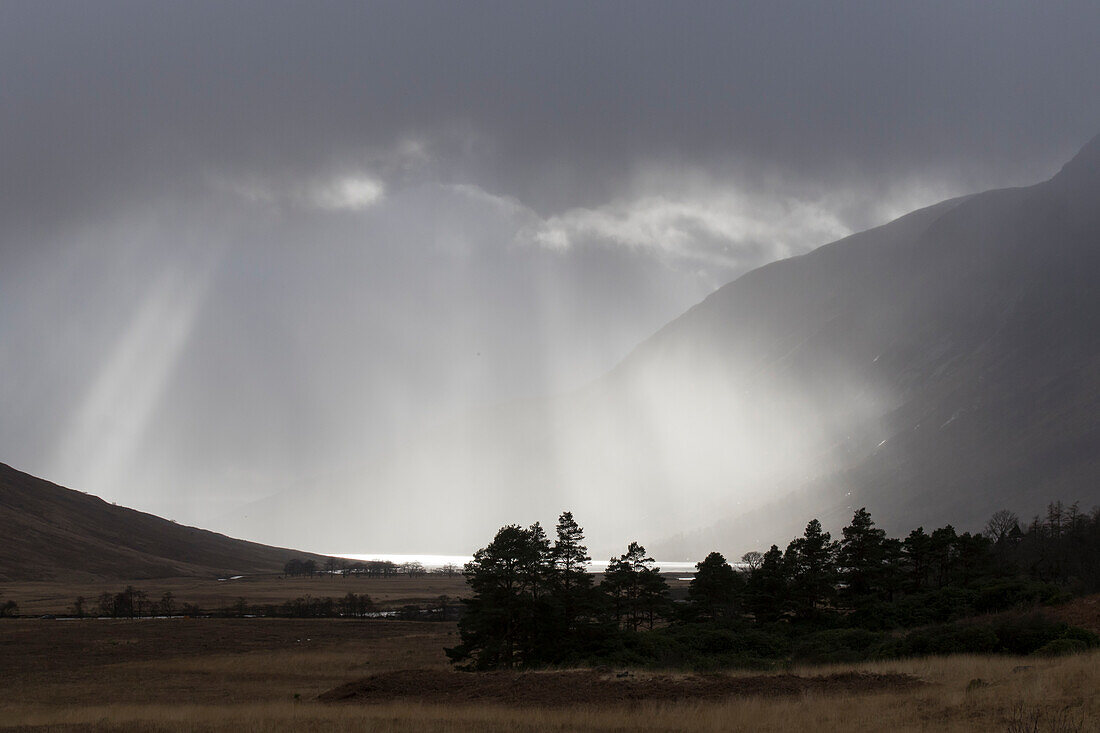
534,602
132,602
296,567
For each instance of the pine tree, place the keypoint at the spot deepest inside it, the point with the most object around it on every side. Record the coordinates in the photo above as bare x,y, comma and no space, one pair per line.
572,584
768,586
715,589
942,553
637,592
813,570
861,557
916,551
507,578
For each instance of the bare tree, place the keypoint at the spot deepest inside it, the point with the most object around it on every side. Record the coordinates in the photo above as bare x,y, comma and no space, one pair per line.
1000,524
753,559
107,605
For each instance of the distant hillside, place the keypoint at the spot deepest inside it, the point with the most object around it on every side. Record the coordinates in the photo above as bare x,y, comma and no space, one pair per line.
973,326
50,532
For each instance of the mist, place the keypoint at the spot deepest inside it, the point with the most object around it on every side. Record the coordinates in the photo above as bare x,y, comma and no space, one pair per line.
368,275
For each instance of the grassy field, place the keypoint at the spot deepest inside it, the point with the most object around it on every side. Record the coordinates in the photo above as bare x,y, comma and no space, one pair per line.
265,674
35,599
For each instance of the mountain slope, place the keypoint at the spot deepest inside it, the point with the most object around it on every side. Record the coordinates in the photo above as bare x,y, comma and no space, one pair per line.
934,369
984,331
51,532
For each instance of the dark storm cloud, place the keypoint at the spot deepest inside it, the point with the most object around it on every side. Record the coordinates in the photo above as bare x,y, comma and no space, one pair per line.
554,105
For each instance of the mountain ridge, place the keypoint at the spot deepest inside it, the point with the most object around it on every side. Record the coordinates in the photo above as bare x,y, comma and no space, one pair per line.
1033,297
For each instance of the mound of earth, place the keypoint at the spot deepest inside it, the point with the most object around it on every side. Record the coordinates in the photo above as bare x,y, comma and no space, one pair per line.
590,686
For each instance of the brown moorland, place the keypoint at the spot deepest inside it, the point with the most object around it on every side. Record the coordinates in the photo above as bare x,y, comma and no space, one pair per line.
272,674
575,687
36,598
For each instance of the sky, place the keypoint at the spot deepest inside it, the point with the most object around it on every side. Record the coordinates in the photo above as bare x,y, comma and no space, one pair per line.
247,246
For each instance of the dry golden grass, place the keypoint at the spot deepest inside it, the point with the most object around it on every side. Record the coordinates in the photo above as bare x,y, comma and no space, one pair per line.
153,661
156,676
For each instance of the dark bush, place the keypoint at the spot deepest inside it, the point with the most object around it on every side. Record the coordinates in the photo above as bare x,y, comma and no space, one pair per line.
946,639
1009,594
1061,647
1026,634
837,646
1020,635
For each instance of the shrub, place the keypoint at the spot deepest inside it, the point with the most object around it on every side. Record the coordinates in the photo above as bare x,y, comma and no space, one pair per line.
1009,594
1026,634
1020,635
948,639
837,646
1061,647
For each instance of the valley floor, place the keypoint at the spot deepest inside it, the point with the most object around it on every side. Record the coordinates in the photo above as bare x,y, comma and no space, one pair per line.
56,597
267,674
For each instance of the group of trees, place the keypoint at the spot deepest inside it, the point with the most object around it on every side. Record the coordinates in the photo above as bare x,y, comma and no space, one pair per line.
865,567
135,603
295,567
534,602
866,571
817,573
334,567
1062,546
130,602
352,605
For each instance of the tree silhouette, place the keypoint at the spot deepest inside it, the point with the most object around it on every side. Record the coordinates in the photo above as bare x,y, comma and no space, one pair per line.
753,559
715,589
767,586
1001,524
524,612
861,557
507,577
812,563
572,584
637,592
916,554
